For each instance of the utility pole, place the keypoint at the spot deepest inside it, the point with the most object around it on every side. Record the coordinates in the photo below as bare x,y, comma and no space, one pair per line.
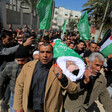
16,5
102,24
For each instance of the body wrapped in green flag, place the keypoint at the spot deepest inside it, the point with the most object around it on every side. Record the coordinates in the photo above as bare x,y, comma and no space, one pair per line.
68,60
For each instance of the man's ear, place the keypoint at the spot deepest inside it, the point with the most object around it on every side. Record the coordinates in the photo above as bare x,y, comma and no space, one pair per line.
2,38
88,62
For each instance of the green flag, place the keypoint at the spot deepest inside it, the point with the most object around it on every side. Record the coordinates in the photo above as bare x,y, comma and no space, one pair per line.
64,26
60,49
44,8
83,27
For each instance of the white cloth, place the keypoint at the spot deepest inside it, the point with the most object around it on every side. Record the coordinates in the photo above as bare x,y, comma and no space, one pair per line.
61,61
35,52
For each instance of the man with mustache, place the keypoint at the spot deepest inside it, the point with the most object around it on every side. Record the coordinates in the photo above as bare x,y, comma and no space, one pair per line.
39,84
92,86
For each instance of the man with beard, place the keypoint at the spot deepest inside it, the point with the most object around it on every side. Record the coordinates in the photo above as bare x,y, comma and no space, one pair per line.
39,84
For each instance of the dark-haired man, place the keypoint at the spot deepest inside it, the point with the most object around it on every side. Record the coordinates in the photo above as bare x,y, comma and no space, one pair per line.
71,46
46,39
26,32
8,48
80,47
91,49
7,54
68,41
38,88
11,72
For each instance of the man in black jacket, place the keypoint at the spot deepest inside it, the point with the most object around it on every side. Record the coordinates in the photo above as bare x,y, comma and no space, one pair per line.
7,54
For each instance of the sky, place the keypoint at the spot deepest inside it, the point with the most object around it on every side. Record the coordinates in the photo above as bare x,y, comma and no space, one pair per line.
70,4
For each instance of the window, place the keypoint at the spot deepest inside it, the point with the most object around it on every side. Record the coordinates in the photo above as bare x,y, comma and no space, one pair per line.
55,18
66,14
56,12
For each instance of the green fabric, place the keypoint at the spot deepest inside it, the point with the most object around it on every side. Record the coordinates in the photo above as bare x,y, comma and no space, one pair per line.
64,26
44,8
107,50
60,49
83,27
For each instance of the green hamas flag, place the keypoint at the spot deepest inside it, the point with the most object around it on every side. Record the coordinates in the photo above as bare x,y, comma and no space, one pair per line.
60,49
64,26
83,27
44,8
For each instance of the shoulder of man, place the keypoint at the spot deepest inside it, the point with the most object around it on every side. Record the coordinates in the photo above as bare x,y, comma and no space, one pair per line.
1,45
31,63
10,65
102,79
87,53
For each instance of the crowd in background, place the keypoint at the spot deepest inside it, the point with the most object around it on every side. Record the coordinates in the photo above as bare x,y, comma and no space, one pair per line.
11,40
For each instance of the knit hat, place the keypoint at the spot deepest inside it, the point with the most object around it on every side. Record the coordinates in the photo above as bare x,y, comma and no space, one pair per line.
22,52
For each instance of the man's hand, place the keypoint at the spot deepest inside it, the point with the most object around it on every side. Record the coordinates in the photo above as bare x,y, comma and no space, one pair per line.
19,110
58,72
87,75
110,56
29,41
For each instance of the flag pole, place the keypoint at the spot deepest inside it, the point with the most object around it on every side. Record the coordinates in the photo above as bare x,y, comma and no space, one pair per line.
44,33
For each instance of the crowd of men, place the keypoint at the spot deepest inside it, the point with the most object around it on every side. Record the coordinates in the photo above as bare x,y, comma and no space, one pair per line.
29,81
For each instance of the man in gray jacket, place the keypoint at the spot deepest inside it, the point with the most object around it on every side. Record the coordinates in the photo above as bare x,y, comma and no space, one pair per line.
7,54
8,48
12,70
91,87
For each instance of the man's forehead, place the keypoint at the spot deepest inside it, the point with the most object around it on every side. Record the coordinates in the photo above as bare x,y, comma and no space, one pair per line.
8,36
19,59
48,47
97,60
81,43
93,44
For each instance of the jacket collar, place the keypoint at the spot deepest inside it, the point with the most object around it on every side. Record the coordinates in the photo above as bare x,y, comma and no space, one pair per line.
46,66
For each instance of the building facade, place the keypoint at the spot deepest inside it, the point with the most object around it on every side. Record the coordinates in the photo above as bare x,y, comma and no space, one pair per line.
17,14
60,14
22,13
